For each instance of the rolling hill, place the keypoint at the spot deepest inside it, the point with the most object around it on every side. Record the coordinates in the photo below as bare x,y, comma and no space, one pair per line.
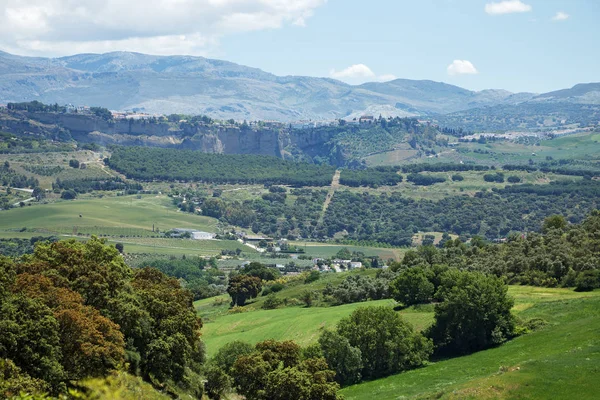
221,89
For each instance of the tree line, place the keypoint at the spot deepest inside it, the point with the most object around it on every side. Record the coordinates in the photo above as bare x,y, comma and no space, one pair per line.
86,185
149,164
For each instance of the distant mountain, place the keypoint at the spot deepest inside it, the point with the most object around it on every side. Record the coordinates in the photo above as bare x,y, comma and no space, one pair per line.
583,93
221,89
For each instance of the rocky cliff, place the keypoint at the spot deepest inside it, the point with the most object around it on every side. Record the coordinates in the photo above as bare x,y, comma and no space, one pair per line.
209,138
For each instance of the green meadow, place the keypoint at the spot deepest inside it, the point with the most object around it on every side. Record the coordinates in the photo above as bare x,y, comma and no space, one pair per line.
560,360
108,212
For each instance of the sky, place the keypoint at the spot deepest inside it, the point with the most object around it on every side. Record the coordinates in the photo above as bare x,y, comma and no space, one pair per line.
517,45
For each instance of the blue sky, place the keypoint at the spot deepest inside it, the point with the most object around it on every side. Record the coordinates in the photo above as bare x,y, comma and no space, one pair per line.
518,45
526,51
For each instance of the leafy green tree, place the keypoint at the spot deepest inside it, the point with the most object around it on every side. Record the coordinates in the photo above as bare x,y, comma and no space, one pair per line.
217,382
68,194
230,352
413,286
475,313
344,359
30,337
587,281
275,371
243,287
307,297
13,381
175,344
260,271
554,222
387,343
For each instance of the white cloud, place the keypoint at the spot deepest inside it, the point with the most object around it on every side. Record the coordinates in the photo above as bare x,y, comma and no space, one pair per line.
507,7
59,27
359,73
355,71
560,16
461,67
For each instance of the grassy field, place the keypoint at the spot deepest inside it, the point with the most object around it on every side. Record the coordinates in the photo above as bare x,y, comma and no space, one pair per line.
560,361
473,182
326,250
300,324
121,212
394,157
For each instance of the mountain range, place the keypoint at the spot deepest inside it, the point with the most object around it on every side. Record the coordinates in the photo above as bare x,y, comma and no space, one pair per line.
222,89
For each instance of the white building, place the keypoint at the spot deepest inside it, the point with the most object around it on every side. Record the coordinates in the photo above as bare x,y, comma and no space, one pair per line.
355,265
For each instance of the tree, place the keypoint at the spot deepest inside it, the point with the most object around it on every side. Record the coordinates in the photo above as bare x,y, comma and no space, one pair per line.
474,315
74,163
260,271
38,193
119,247
91,344
68,194
412,286
307,297
230,352
587,281
175,344
344,359
217,382
554,222
387,343
275,371
243,287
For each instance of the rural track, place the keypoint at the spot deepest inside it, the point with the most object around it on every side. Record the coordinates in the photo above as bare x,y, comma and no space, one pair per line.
335,184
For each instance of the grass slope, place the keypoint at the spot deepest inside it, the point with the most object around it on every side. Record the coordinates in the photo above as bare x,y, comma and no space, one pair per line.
300,324
560,361
122,212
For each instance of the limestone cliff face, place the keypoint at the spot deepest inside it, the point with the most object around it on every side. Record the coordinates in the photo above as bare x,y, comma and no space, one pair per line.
270,141
209,139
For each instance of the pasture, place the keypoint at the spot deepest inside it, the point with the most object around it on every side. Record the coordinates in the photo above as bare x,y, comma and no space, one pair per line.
123,212
558,361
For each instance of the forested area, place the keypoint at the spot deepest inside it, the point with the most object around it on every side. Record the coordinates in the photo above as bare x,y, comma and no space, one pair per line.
562,254
85,185
378,176
424,180
16,247
393,219
10,143
74,310
149,164
271,214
